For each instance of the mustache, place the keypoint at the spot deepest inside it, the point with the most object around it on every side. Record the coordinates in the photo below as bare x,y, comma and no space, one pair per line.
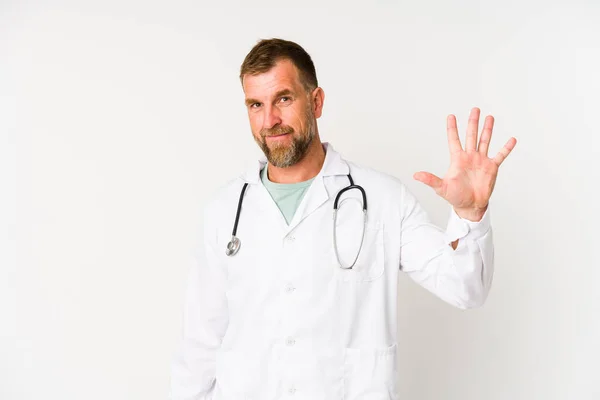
275,131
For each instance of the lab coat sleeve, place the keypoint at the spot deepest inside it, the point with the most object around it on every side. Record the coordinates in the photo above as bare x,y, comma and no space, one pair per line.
461,277
205,320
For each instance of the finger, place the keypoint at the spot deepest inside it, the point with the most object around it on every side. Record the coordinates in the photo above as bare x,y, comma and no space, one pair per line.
429,179
505,151
472,128
486,135
453,139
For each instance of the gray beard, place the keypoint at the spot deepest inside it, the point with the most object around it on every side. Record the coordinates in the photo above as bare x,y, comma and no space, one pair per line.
286,156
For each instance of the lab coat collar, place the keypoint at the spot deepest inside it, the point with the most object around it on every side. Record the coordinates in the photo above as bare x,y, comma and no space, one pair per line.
333,165
315,197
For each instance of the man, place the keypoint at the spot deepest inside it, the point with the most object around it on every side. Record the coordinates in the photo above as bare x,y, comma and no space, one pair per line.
306,308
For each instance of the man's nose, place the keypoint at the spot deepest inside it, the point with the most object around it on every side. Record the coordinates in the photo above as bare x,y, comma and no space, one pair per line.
272,117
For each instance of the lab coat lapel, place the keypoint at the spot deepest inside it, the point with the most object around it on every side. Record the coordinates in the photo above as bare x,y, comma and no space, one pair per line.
314,198
263,202
317,193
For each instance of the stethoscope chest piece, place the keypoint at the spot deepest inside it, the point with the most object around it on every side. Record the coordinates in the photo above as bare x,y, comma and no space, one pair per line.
233,246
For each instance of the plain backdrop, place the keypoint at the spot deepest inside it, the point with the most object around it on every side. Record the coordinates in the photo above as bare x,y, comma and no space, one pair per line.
118,120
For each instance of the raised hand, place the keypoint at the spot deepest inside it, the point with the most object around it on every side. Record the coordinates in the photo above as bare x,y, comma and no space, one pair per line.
470,180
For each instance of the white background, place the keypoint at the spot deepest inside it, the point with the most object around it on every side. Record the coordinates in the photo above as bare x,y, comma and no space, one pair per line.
118,119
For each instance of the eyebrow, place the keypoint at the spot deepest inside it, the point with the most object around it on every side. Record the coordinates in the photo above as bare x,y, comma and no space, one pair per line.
283,92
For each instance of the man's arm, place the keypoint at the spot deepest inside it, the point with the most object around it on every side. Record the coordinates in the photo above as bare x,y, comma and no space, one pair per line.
205,320
457,264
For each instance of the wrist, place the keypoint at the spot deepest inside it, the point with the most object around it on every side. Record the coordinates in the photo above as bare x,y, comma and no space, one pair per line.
471,214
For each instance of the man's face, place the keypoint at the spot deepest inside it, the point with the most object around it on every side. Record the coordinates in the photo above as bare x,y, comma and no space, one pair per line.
281,115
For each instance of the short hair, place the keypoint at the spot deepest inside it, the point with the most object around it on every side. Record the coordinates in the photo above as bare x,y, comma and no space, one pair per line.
267,52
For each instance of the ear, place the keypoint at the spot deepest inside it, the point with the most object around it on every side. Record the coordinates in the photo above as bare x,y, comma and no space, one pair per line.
318,97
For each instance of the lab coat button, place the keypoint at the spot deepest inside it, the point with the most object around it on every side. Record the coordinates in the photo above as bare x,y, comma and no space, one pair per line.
290,342
292,390
291,238
289,288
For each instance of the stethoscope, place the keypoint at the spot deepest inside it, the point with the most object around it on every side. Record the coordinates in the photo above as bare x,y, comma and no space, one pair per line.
234,244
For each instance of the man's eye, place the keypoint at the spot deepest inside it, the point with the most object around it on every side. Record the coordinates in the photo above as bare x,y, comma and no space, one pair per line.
255,105
284,98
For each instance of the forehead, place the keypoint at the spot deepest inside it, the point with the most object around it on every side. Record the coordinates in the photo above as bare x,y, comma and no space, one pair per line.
284,75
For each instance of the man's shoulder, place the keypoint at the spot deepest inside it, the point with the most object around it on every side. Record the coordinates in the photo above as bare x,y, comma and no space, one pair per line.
374,177
386,193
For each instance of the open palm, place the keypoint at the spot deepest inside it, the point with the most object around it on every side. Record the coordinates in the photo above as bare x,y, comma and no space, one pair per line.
470,180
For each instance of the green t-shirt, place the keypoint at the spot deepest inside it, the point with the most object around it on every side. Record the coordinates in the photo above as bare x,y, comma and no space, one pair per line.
287,196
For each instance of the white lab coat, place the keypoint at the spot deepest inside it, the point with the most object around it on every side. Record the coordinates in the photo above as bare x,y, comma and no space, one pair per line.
281,319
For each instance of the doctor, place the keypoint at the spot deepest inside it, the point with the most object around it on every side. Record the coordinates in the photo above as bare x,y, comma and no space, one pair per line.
285,317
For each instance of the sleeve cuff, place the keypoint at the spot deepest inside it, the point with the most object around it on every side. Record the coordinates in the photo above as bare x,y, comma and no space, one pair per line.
459,228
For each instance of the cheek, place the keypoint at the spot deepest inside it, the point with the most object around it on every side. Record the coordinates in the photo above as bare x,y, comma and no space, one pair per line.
255,123
293,117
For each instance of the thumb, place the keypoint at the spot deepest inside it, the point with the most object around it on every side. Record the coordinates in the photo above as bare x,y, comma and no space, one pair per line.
429,179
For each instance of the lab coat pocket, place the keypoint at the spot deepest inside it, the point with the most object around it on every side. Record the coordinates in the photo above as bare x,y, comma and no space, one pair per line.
370,374
370,263
238,375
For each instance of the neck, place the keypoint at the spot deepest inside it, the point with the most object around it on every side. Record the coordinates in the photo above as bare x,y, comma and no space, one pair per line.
305,169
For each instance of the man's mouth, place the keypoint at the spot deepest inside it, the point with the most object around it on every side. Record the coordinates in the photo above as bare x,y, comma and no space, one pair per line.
277,136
